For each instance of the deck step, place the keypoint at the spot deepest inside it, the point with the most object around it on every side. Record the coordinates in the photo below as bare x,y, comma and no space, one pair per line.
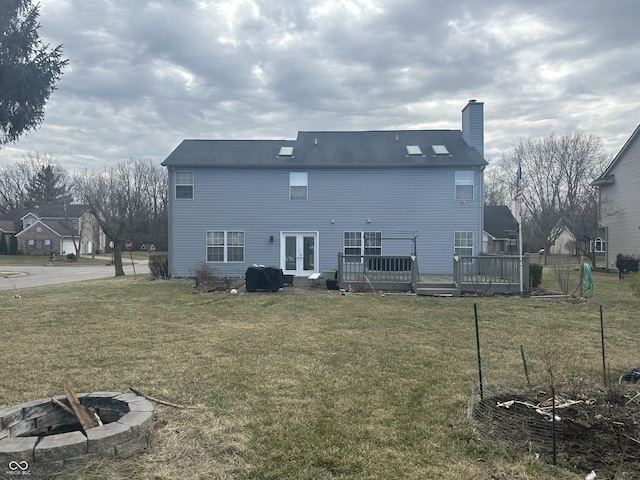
437,290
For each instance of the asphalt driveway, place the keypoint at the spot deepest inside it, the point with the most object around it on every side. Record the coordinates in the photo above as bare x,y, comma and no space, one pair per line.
18,277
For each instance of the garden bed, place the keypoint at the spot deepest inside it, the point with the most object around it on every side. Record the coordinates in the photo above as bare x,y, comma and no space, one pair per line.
599,432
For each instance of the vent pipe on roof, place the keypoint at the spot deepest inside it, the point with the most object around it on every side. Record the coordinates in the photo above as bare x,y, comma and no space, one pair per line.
397,137
315,141
473,125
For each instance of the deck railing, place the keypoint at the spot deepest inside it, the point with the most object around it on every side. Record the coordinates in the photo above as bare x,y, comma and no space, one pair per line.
380,270
487,270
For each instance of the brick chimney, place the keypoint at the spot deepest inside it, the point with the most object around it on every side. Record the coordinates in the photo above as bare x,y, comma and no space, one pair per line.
473,125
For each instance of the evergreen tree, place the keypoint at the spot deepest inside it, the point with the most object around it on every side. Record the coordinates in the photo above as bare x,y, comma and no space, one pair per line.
29,70
3,244
47,187
13,245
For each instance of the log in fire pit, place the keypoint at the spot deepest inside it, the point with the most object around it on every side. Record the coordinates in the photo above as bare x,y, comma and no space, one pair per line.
40,438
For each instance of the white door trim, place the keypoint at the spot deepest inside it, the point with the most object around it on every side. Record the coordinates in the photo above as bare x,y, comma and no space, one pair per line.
299,269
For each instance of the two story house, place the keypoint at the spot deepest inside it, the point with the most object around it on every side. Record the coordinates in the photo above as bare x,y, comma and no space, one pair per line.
619,202
59,229
297,203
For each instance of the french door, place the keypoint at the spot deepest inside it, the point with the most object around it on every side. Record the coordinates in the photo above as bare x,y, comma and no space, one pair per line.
299,253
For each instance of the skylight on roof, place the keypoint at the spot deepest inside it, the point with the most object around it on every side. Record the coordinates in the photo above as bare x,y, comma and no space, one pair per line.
285,151
440,150
414,150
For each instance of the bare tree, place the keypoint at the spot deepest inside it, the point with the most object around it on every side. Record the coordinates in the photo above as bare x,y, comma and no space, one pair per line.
19,181
154,229
582,221
556,172
120,198
497,191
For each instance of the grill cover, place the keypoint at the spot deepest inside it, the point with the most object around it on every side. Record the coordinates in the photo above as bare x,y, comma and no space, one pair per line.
263,278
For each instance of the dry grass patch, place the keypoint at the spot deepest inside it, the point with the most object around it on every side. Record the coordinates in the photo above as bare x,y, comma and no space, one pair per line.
288,386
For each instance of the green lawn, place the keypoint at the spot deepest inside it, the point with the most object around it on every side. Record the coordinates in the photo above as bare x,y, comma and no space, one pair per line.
304,387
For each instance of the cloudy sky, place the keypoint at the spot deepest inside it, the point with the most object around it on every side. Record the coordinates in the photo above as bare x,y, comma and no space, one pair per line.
145,74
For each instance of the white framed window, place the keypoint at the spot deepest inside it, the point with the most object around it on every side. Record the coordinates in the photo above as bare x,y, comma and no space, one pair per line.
372,243
225,247
362,243
464,185
298,185
31,244
29,221
47,244
235,247
184,185
598,245
215,246
463,244
353,245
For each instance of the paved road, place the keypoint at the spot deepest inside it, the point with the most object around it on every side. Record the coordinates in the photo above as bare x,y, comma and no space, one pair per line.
30,276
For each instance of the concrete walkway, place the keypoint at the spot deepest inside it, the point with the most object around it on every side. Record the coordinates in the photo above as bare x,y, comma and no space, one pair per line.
15,277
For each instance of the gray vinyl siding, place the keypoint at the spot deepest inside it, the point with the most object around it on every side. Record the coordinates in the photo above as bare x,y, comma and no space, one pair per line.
397,202
620,205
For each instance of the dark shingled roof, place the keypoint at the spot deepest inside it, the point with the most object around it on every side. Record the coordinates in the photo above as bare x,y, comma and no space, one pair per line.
499,222
46,213
331,149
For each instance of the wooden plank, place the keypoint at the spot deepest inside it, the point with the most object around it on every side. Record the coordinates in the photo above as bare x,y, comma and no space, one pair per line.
63,406
87,419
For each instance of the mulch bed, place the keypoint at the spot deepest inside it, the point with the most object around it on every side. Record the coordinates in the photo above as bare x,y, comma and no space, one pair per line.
598,432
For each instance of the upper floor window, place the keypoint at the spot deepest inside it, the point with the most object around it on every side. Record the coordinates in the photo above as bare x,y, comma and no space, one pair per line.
27,222
184,185
225,246
298,185
464,185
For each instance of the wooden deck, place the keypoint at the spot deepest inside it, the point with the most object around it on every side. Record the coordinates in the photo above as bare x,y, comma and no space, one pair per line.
483,274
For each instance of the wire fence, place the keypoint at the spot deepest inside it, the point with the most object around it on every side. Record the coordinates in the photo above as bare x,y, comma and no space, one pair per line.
554,405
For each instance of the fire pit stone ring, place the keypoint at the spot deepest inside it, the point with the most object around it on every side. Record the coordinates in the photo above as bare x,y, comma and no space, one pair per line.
40,438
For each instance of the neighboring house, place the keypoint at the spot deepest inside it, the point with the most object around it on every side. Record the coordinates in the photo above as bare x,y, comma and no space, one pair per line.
297,203
500,234
578,241
565,244
619,202
55,229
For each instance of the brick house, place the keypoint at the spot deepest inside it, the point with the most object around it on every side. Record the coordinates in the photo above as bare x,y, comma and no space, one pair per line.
51,229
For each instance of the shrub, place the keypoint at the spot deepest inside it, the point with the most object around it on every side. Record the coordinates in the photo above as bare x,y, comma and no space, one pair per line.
625,263
567,276
205,277
72,257
4,249
13,246
634,283
159,266
535,275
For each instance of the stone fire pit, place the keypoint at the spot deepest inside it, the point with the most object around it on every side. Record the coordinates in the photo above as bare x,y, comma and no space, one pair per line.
40,438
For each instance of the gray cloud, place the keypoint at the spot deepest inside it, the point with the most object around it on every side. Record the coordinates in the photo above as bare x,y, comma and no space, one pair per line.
144,75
